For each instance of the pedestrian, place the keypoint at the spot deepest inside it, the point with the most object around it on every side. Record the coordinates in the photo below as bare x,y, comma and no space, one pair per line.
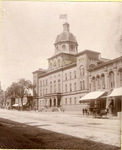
83,111
86,111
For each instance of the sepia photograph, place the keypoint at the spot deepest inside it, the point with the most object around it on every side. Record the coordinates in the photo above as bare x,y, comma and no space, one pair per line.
60,75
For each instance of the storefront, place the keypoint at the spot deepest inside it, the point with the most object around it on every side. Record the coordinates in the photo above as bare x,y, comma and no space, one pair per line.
114,101
95,100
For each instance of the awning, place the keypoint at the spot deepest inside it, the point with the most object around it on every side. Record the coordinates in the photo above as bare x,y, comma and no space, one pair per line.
116,92
92,95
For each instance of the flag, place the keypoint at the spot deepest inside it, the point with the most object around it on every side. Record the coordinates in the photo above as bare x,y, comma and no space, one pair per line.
63,16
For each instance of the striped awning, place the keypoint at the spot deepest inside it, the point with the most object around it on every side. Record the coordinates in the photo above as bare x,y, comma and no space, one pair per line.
116,92
92,95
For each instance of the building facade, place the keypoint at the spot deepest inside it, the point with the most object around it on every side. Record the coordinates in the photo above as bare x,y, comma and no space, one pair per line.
72,74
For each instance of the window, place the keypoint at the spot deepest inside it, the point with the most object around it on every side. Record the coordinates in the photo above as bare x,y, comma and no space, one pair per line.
103,81
43,82
80,85
46,81
54,86
70,75
74,74
43,91
74,86
70,87
40,92
65,101
40,83
111,79
83,71
98,82
70,101
84,85
50,87
66,88
46,91
75,100
93,84
65,76
59,86
120,77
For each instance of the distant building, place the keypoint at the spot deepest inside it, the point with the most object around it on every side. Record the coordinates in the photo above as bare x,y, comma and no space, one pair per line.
71,75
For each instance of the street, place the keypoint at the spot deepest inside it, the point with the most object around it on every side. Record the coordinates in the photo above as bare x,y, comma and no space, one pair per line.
104,133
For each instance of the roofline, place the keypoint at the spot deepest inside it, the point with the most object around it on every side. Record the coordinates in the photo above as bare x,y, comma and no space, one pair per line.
87,51
106,63
60,54
57,70
66,41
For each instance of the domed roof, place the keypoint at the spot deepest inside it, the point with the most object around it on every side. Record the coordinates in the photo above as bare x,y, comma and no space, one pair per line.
66,35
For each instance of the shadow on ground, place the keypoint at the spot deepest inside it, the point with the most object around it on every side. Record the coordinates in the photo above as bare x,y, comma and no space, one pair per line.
15,135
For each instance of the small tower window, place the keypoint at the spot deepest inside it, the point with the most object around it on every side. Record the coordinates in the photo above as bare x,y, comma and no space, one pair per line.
64,47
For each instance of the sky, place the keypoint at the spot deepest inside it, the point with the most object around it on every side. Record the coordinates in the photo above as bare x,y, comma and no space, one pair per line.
28,31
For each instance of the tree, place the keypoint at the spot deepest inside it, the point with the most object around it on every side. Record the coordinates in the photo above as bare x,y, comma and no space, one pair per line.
19,90
12,92
24,85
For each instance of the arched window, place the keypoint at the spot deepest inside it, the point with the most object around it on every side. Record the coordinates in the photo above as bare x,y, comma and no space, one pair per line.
82,71
84,85
65,76
65,101
59,86
98,82
111,79
50,87
70,75
120,77
70,101
74,86
74,74
103,81
65,87
80,85
75,100
93,84
54,86
70,87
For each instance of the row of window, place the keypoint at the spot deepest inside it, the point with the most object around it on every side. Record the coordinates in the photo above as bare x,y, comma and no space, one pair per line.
99,81
70,101
57,88
82,86
70,75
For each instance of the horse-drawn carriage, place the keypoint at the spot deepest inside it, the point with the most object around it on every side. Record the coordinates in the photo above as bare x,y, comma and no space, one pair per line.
97,113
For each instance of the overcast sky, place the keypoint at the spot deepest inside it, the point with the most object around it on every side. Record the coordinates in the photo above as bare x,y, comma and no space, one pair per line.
29,30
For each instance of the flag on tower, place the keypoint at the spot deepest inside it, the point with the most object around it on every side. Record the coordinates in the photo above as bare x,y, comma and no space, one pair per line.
63,16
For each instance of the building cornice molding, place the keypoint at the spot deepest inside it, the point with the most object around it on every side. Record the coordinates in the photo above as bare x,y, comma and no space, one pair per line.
57,70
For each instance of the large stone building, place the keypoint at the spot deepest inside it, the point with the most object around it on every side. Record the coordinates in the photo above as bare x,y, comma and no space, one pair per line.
72,74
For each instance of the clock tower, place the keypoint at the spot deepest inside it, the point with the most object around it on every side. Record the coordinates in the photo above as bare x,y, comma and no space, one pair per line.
65,49
66,41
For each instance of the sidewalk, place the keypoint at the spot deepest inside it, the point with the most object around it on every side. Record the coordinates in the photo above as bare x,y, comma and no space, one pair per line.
10,139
